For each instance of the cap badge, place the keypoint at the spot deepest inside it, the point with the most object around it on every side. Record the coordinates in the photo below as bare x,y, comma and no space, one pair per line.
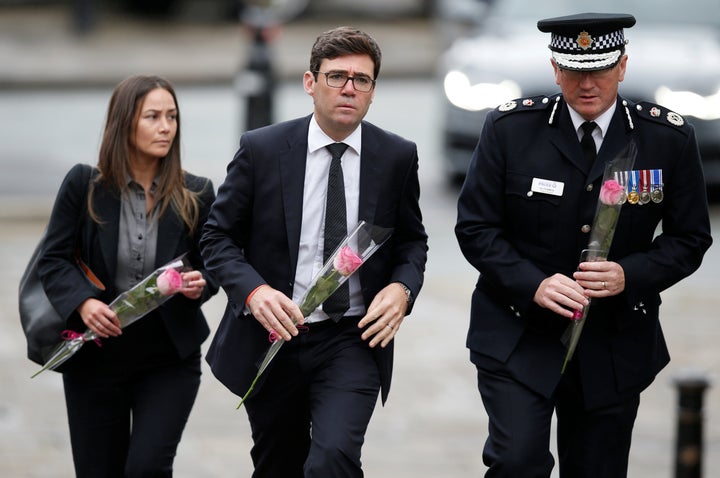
655,112
584,40
528,102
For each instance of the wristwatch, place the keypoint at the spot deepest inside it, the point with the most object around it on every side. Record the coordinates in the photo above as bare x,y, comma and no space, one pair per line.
408,293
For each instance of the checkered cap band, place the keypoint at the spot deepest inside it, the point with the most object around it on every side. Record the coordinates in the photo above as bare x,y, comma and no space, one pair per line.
609,41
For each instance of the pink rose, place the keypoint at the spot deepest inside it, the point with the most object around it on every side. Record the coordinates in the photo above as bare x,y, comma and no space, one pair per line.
611,192
169,282
346,261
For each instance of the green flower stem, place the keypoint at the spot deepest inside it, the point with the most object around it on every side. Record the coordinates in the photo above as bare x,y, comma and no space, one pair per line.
129,306
601,237
316,295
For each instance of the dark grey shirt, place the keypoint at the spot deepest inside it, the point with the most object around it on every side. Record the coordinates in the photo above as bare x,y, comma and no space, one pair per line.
137,237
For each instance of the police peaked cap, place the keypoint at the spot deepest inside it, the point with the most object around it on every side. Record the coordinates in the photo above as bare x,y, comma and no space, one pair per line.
587,41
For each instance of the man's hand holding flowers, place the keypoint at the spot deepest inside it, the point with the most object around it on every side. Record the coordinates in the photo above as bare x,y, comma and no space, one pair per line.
561,295
594,279
385,315
275,311
600,278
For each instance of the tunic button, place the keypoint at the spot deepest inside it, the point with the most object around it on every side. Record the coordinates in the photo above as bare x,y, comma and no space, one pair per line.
586,228
589,187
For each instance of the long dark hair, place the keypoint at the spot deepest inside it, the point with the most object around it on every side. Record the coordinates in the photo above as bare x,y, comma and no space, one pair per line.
117,149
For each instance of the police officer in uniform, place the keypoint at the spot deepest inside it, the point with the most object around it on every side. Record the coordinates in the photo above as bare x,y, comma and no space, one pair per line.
525,213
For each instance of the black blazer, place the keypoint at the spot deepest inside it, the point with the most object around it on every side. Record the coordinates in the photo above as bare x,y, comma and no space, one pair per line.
67,288
253,232
516,238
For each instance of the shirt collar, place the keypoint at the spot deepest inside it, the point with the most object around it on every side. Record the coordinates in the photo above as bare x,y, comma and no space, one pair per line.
130,182
317,139
602,121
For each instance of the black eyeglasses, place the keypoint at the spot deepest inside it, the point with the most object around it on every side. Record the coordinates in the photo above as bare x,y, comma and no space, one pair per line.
338,79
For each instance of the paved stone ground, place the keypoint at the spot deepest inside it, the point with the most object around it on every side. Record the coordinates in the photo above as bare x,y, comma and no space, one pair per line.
433,425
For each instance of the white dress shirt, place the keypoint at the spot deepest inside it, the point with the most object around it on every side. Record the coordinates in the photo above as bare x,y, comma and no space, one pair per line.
312,233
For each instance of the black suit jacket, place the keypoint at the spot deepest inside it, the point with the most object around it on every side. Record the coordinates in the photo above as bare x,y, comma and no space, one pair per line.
252,234
517,238
66,286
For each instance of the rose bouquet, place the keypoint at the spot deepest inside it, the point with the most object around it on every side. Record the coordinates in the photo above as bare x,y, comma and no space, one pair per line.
129,306
350,254
612,196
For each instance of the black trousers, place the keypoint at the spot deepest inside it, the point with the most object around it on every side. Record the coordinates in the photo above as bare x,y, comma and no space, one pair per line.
310,416
129,424
591,443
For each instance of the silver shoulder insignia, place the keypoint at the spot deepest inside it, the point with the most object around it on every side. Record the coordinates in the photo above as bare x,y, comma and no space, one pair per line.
510,105
675,119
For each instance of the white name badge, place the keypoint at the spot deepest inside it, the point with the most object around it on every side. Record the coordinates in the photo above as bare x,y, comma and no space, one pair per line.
547,186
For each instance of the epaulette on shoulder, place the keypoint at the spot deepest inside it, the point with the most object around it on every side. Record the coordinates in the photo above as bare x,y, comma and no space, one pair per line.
525,104
659,114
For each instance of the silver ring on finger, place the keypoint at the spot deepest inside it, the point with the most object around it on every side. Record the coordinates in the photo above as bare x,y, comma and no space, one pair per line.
391,327
604,285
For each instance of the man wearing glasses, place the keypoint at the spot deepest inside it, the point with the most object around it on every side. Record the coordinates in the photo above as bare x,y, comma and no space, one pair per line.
265,241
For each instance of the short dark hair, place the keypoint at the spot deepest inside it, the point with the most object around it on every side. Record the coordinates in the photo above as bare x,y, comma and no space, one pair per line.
343,41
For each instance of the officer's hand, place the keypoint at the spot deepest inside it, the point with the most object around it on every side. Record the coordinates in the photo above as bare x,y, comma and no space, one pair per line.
561,295
601,278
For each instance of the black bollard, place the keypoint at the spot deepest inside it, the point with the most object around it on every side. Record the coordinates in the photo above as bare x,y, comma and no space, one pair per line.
259,100
689,439
256,82
83,16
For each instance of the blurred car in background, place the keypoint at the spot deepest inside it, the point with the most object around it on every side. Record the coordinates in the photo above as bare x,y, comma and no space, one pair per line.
674,60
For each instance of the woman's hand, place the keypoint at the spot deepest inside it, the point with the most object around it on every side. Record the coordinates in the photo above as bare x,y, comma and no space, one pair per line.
99,318
194,284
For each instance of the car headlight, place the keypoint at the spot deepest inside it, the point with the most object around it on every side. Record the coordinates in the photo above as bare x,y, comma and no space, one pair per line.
689,103
461,93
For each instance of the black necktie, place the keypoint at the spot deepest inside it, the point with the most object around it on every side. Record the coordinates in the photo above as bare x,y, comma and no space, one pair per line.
587,143
335,228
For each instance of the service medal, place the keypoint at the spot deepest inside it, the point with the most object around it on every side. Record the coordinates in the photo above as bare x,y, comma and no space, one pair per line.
621,178
656,193
644,187
633,197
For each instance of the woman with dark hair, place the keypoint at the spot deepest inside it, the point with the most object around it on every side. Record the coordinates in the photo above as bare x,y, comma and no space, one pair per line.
128,400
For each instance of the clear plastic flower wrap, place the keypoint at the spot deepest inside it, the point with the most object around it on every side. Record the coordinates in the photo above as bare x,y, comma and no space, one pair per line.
347,258
612,196
130,306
